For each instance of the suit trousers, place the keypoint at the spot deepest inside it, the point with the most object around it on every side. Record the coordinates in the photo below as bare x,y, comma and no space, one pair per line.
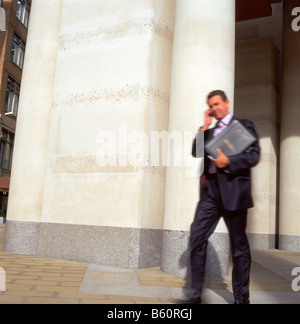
208,213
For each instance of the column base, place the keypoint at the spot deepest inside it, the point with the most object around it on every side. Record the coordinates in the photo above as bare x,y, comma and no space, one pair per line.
289,243
112,246
175,258
260,241
125,247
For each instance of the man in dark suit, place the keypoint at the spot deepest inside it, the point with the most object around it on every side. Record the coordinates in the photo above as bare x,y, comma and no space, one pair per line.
227,193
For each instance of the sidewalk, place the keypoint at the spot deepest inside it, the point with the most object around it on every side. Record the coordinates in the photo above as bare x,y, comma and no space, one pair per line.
34,280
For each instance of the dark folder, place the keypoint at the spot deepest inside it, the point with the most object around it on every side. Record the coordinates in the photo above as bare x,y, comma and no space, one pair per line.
234,139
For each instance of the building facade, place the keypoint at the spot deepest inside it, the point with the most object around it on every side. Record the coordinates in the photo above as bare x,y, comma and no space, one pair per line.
110,102
13,35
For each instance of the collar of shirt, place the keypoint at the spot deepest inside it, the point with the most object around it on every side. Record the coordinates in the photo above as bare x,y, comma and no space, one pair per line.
222,124
226,120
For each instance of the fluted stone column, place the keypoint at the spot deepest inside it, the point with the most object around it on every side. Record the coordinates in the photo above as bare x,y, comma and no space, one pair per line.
203,60
32,132
289,225
101,203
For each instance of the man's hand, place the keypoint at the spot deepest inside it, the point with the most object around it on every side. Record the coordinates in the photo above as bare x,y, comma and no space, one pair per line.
222,161
207,120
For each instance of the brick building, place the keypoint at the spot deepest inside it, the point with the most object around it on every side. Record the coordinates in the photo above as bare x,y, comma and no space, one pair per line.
15,19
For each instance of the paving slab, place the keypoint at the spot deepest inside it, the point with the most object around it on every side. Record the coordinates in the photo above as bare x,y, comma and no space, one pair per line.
34,280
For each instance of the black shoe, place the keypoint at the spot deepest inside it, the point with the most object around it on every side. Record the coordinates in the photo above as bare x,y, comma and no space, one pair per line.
244,300
195,300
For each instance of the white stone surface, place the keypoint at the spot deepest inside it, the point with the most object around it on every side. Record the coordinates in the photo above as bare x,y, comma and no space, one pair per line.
203,60
256,99
36,101
105,71
289,202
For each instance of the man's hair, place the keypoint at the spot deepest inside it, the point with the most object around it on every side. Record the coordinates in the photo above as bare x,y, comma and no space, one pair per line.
220,93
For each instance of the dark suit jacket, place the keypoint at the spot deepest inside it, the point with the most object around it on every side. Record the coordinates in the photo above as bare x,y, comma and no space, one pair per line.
235,181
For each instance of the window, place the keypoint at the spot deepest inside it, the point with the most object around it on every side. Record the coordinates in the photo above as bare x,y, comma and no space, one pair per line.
12,96
23,11
18,50
6,149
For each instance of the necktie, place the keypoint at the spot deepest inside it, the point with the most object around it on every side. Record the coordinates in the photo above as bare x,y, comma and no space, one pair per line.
220,126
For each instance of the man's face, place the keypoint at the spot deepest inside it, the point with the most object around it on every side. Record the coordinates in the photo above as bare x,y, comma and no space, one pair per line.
219,108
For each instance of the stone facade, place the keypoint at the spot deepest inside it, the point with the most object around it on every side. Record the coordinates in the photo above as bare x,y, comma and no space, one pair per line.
98,84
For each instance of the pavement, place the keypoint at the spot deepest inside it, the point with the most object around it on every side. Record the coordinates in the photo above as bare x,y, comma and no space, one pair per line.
30,279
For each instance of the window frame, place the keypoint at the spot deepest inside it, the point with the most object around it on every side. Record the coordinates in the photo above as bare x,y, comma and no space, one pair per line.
18,50
23,11
12,96
6,149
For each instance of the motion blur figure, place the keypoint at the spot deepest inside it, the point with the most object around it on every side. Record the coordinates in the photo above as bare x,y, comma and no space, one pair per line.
226,193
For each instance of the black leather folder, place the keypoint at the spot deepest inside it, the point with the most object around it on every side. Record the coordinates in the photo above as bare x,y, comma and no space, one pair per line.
234,139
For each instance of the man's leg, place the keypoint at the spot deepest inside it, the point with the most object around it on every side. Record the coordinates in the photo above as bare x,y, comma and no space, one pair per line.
241,256
206,220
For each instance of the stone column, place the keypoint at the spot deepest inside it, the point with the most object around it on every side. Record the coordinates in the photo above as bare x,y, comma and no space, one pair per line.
32,132
102,202
203,60
256,99
289,225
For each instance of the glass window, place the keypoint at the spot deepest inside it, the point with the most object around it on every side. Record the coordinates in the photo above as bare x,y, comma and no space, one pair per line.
6,149
12,96
18,50
23,11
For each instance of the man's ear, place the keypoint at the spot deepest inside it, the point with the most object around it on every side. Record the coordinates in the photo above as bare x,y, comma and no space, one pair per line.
227,103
